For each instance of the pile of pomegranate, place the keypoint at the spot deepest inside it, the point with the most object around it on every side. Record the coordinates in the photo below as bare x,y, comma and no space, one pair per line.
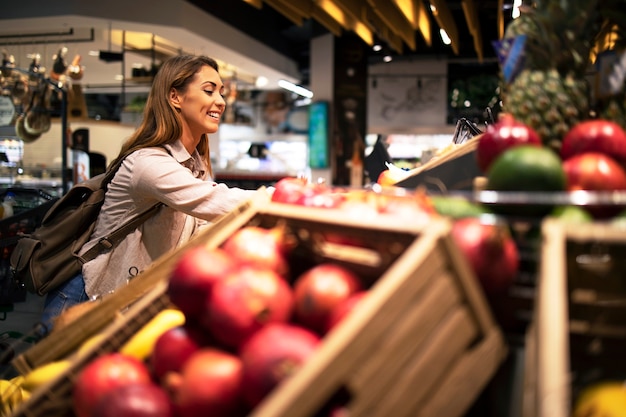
251,320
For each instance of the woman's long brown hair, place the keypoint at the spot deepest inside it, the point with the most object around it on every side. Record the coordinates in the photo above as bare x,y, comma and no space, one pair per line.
161,122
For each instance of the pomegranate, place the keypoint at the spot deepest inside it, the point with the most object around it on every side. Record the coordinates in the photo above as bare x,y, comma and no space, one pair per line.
103,375
290,190
300,192
319,290
599,135
502,135
193,277
135,400
344,308
490,251
257,246
210,384
273,354
245,301
171,351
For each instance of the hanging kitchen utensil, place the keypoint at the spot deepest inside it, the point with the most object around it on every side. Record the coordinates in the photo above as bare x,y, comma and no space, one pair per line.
37,120
75,70
59,66
19,89
35,69
21,132
8,63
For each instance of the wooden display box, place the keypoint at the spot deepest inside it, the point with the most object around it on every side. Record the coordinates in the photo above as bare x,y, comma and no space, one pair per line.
423,343
455,170
578,333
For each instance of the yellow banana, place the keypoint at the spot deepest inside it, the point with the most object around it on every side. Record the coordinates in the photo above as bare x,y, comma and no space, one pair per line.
87,344
605,399
11,396
140,345
44,373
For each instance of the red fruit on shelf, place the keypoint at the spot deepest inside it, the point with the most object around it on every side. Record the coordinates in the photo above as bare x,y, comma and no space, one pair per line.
273,354
209,384
502,135
135,400
319,290
193,277
602,136
259,247
490,251
171,351
593,171
290,190
245,301
102,375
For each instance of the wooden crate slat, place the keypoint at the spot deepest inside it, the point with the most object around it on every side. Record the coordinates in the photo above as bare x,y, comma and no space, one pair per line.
421,376
475,368
404,340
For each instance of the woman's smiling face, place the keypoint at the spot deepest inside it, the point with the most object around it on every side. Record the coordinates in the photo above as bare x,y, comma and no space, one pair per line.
202,104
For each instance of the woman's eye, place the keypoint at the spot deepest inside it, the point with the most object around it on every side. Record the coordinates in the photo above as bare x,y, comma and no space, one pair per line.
209,92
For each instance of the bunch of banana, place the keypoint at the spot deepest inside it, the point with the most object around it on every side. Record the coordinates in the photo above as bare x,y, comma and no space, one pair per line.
12,394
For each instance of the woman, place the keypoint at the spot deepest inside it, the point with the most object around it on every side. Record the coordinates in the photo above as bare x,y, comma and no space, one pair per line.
167,160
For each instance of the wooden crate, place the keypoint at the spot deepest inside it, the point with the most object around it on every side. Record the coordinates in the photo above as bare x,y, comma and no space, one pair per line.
578,332
424,336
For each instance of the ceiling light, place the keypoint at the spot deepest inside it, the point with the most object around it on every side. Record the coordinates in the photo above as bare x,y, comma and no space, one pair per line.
515,10
387,58
377,47
295,88
444,37
261,81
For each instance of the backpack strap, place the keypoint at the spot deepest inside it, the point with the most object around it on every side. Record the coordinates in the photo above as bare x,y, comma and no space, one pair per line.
112,239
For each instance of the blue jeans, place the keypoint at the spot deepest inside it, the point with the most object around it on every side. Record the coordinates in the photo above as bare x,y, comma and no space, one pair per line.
70,293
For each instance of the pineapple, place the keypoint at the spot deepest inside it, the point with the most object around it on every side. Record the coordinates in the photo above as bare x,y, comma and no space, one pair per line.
550,93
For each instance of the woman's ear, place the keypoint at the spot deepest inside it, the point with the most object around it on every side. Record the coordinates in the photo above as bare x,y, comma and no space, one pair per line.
174,98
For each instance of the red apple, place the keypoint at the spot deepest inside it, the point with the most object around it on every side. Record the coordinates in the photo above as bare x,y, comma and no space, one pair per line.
602,136
258,246
135,400
593,171
245,301
210,384
502,135
390,177
490,252
319,290
171,351
344,308
101,376
272,355
193,277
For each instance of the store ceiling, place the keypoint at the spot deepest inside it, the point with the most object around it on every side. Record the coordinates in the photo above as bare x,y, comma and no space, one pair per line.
288,25
234,30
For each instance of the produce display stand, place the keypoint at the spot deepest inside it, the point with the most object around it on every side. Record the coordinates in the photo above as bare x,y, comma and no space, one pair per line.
578,333
453,170
424,341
